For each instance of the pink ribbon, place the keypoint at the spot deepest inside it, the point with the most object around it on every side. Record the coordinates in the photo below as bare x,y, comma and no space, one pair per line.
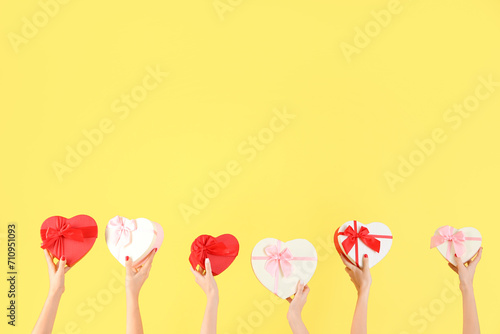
445,234
276,260
121,230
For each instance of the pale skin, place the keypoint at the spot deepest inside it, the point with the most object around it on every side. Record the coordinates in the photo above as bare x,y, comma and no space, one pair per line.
294,315
134,279
362,280
466,275
57,271
207,283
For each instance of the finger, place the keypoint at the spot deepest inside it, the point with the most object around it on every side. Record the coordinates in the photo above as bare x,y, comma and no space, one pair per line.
67,268
478,256
300,289
289,299
48,257
306,290
196,273
61,264
128,265
366,263
460,264
455,269
149,260
208,268
346,261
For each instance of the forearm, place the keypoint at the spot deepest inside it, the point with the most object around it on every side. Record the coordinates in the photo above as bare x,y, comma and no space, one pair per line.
359,321
471,320
134,321
47,317
209,324
296,324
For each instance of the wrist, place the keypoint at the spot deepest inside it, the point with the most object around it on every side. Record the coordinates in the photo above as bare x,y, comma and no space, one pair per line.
213,298
57,293
364,291
466,288
132,293
294,317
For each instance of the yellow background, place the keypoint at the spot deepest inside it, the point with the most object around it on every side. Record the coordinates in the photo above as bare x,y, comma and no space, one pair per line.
353,120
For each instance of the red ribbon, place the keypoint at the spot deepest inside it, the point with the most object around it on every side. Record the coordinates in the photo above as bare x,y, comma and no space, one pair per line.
54,236
205,245
363,235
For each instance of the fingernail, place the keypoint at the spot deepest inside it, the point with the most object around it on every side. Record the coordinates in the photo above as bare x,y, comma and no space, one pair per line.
156,249
207,260
456,255
126,258
63,258
366,255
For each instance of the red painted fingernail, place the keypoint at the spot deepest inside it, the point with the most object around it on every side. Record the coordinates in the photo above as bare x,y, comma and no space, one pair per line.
156,249
126,258
63,258
456,255
366,255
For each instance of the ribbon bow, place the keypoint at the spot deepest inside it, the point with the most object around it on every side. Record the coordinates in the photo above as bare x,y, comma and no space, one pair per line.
446,235
206,245
363,235
277,260
55,235
121,230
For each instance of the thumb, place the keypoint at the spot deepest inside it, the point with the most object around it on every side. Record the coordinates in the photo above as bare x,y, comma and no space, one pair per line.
61,264
366,263
128,265
460,264
300,289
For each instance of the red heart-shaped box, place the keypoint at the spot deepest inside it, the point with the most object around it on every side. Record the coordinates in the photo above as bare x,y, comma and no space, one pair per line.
221,252
72,237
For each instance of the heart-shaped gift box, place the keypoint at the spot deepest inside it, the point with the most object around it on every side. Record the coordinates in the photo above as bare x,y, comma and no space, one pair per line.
280,265
464,242
221,251
135,238
354,240
73,237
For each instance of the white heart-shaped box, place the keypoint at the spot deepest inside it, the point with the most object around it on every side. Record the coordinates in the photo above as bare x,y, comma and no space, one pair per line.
377,230
303,263
472,243
135,238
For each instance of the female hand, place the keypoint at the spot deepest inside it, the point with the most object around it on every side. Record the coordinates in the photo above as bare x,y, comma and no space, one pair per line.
207,283
47,317
361,278
135,277
466,271
294,314
206,280
56,273
300,299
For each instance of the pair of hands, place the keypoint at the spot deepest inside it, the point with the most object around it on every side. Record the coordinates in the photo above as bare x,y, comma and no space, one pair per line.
362,278
135,277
